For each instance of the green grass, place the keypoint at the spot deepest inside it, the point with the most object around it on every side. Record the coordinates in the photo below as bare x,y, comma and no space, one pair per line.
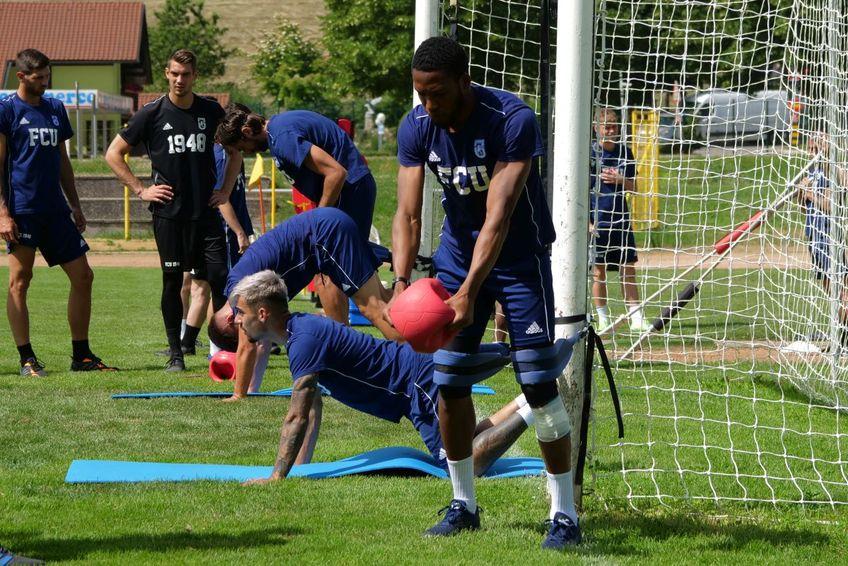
47,423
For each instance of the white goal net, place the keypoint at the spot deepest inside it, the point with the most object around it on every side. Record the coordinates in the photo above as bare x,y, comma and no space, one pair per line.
730,108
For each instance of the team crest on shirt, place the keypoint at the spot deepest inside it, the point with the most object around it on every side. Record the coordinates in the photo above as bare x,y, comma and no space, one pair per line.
480,148
201,122
55,120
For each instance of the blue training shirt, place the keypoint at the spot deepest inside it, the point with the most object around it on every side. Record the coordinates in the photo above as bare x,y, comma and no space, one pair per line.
292,134
816,222
370,375
238,198
608,204
33,135
500,128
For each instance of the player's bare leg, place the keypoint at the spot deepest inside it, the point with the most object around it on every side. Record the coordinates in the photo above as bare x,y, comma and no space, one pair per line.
79,299
370,302
332,299
495,434
630,291
599,294
501,334
21,261
185,296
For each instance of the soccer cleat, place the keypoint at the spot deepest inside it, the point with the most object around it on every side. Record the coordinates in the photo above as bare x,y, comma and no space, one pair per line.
92,363
32,368
640,328
9,559
176,363
457,518
562,533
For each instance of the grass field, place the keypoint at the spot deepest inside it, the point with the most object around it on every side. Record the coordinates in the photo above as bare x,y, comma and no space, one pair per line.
47,423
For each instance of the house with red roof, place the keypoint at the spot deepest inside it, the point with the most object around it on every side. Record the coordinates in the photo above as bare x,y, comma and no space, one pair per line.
99,54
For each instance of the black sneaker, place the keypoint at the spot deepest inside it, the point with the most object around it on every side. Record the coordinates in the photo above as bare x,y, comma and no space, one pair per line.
187,351
92,363
562,533
176,363
32,368
457,519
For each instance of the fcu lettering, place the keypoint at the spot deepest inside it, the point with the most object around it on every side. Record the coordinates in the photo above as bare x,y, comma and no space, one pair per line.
43,136
464,178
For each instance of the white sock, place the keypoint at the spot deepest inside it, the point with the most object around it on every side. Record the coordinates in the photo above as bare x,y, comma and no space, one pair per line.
637,319
521,400
462,479
526,413
213,349
182,328
603,316
561,488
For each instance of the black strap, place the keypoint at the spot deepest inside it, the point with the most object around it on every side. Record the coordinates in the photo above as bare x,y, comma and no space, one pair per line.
570,319
594,341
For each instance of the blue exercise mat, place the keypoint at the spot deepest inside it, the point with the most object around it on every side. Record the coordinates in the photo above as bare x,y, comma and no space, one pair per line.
477,389
397,460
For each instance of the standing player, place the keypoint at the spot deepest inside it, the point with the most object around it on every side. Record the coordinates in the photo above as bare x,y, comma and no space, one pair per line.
378,377
34,171
615,247
178,130
483,146
238,200
320,160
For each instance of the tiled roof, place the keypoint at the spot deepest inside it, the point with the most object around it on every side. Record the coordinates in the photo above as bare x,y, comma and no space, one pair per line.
73,31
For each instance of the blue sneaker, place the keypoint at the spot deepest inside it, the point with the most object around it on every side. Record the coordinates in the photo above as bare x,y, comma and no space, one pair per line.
562,533
457,519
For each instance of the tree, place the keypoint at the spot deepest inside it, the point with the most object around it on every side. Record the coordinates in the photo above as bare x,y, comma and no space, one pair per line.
182,24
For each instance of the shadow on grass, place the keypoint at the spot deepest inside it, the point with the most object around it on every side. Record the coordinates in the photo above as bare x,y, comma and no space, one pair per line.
630,533
79,547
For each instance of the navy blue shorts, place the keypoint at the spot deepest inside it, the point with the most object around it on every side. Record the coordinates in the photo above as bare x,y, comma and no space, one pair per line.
357,201
615,246
820,255
233,254
424,414
340,253
55,235
524,289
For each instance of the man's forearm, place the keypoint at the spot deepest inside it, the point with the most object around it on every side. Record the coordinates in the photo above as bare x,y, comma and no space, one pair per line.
123,173
294,427
66,179
234,163
230,217
333,185
406,240
245,360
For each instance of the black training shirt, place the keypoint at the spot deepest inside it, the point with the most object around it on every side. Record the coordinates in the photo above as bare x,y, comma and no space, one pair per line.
180,145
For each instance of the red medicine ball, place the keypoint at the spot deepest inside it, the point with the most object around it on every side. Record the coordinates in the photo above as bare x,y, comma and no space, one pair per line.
222,366
421,315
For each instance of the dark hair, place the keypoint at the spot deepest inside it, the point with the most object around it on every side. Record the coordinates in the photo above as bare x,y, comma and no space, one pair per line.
183,57
225,338
31,60
237,116
441,54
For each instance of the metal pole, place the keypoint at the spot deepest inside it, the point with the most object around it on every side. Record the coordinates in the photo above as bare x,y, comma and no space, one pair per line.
572,132
546,116
273,195
94,126
426,26
78,132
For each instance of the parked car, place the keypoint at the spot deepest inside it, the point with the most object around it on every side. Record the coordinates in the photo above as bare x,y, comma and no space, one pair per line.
725,116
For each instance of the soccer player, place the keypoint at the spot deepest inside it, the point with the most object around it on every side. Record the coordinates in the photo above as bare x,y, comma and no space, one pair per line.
34,172
178,131
320,159
482,144
238,201
615,248
377,377
322,240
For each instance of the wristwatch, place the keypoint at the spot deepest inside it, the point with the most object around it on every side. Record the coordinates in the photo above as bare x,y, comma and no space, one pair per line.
397,280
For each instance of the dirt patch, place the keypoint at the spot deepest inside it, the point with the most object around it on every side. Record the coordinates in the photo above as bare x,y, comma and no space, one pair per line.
722,352
750,256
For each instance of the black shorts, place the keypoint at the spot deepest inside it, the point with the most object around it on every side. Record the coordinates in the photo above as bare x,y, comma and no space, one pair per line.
55,235
615,246
189,245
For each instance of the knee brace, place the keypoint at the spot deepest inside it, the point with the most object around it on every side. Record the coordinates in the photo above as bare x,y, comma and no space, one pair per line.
539,394
538,365
462,369
454,391
552,421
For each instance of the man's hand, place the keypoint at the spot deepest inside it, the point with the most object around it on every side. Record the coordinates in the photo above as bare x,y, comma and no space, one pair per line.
263,481
803,189
243,242
612,176
79,219
400,287
463,304
8,229
218,198
162,194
